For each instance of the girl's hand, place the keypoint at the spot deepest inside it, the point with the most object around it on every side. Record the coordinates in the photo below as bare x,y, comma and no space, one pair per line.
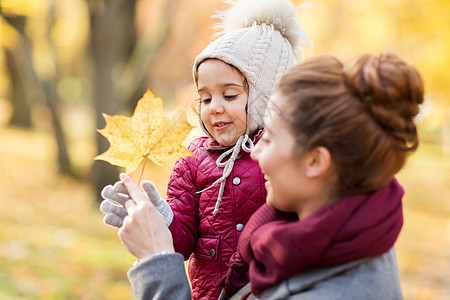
144,231
115,196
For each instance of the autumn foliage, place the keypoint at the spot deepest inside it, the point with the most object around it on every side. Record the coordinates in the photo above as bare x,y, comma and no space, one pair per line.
147,134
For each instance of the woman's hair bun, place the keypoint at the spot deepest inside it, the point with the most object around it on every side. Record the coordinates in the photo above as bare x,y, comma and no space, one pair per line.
390,89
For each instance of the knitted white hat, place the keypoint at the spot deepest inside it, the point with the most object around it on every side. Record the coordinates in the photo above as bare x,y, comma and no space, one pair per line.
261,39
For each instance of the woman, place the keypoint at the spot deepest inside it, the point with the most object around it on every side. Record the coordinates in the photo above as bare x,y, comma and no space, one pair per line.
335,135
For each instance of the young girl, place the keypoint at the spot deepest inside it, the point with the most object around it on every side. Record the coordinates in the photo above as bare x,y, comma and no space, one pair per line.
341,132
212,195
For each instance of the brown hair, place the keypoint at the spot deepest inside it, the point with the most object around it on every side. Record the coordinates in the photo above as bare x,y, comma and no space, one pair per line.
362,111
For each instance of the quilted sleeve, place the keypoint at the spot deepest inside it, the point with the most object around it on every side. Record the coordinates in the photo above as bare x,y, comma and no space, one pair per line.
183,200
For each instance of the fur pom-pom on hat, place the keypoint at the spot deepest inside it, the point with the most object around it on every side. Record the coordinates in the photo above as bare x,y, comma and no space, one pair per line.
278,14
261,38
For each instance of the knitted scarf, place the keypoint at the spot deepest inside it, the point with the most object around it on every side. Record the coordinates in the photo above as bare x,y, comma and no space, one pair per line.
275,246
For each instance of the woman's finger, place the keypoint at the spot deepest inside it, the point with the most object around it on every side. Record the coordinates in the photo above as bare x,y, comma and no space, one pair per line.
135,192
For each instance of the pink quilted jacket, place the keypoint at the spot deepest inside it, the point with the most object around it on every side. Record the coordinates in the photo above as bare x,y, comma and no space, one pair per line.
208,240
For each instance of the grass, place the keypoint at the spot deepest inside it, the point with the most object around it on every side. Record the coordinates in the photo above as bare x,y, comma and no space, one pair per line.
53,242
55,246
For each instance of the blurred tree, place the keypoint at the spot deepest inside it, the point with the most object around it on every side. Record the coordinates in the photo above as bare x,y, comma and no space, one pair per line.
29,88
120,60
21,114
111,51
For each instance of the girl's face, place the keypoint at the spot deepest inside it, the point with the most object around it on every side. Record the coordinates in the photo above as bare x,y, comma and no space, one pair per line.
278,156
223,95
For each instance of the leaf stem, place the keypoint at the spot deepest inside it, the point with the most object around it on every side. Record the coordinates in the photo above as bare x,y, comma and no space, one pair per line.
142,172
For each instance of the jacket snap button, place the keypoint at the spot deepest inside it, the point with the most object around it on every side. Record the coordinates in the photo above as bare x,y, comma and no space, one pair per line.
212,253
239,227
236,181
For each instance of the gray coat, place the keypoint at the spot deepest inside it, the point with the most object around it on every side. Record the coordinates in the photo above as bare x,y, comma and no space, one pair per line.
368,279
160,277
163,277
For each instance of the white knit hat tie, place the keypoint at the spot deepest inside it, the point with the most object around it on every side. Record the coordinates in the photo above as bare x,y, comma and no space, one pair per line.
245,143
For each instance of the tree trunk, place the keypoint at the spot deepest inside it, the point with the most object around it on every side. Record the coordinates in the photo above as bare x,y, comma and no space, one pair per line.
132,83
112,39
120,63
28,88
21,113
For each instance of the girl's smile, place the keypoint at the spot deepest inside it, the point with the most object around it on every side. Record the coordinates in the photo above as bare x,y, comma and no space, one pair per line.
221,125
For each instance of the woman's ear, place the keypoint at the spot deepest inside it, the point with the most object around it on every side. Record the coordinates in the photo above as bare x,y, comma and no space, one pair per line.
318,162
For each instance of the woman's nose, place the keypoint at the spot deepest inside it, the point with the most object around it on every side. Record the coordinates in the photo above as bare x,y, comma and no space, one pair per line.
255,152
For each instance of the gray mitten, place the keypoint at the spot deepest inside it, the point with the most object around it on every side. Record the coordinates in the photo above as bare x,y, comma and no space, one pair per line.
113,204
116,196
114,213
159,202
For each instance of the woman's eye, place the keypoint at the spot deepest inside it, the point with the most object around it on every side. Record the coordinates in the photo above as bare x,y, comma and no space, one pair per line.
265,140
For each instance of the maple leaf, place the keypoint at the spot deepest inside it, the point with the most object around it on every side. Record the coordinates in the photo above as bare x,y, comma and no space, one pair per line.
147,134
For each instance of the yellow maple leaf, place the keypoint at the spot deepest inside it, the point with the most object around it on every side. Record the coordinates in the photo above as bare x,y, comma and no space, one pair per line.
147,134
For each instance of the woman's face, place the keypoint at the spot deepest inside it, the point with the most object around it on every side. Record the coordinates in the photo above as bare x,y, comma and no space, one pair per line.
281,161
223,95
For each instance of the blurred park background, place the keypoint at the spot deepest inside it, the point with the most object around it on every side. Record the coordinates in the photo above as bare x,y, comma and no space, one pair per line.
64,62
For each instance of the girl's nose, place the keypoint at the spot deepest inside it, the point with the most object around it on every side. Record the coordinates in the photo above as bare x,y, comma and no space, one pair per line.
216,106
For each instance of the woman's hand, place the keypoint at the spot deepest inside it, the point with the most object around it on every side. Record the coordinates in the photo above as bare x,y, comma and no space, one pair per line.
144,231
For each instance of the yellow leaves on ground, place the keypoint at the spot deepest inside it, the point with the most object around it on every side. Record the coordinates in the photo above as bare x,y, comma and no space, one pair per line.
147,134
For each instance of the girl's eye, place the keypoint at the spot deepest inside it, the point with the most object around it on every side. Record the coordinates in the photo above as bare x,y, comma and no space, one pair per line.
206,101
230,97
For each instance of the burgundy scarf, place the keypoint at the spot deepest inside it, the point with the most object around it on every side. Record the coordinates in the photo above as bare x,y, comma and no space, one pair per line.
275,246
